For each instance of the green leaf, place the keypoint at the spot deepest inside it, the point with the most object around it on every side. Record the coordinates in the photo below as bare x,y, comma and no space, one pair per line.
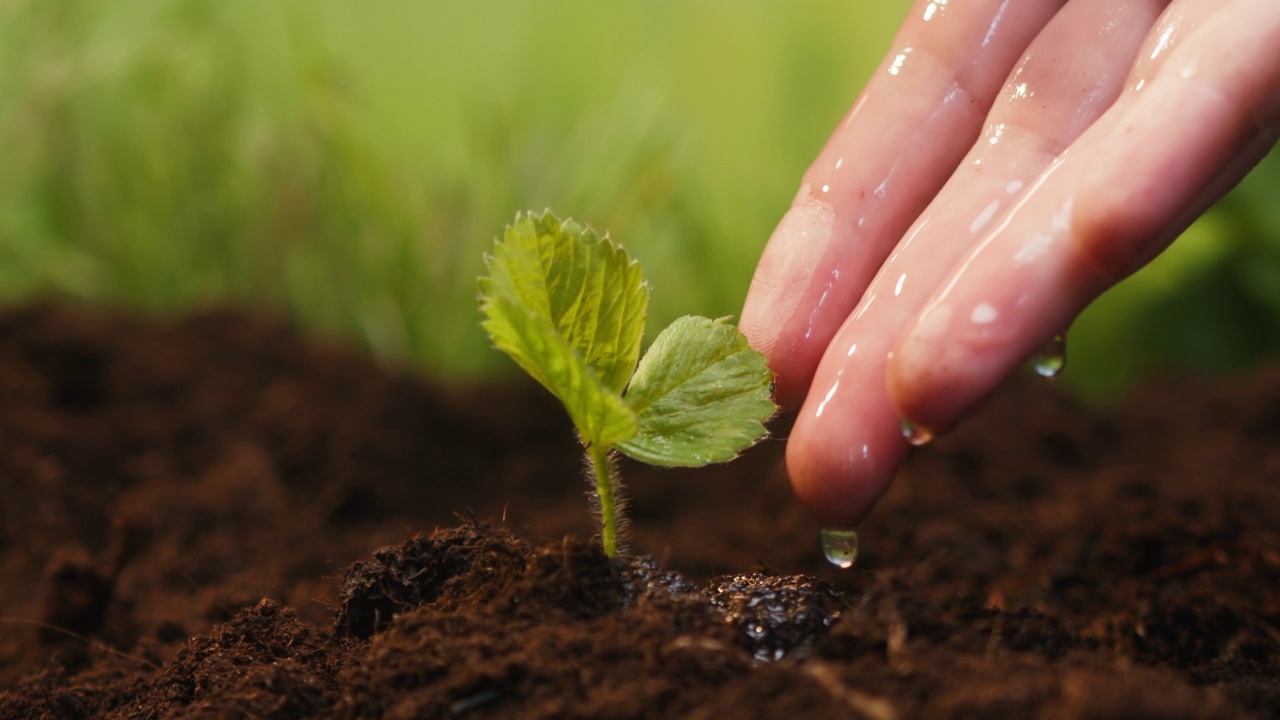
588,290
568,306
600,415
701,393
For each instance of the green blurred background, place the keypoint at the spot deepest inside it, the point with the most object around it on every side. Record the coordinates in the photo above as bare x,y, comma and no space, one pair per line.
347,164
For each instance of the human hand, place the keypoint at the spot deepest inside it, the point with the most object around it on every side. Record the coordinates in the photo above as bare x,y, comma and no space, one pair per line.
1008,163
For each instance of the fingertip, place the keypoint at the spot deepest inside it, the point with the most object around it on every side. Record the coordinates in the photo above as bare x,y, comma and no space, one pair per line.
789,381
919,391
789,279
1120,224
836,495
916,374
945,365
838,471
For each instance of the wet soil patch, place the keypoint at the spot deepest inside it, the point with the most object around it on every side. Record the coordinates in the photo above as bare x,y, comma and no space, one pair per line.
217,518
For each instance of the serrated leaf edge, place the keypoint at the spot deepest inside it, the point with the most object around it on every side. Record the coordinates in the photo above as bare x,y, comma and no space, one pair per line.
758,431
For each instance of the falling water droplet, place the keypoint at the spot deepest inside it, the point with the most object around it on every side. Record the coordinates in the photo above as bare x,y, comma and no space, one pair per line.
840,547
1052,358
915,434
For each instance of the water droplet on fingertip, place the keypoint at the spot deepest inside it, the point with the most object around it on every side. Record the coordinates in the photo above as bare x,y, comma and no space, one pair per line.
1052,358
915,434
840,547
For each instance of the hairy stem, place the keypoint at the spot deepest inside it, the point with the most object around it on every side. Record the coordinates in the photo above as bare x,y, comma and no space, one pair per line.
603,474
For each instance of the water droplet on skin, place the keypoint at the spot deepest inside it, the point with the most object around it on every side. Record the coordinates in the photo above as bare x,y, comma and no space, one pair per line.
1062,217
1164,42
1052,358
813,315
915,434
1036,247
823,405
840,547
901,59
983,314
984,217
864,306
995,25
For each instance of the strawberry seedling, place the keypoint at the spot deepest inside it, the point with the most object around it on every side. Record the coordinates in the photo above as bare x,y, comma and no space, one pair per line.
569,307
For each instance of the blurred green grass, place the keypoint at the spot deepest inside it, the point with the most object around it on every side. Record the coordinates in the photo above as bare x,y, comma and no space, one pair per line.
348,164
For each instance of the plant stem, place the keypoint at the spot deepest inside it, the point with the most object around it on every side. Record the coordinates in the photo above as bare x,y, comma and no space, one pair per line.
602,469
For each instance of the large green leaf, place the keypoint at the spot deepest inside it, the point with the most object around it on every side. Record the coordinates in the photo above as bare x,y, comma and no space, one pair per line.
588,290
701,393
568,306
600,415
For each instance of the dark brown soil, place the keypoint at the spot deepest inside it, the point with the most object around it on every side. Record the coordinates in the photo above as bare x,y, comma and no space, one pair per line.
192,516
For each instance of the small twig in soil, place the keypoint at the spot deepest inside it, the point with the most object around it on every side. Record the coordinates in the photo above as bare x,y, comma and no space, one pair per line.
1191,563
868,706
86,640
993,640
468,704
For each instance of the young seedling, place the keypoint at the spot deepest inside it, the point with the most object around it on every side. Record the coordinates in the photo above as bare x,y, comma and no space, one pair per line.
569,307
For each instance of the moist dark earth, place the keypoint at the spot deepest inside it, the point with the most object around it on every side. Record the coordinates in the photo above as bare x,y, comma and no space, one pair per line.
218,517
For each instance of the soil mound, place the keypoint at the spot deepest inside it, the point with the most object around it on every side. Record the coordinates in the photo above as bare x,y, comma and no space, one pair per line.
217,518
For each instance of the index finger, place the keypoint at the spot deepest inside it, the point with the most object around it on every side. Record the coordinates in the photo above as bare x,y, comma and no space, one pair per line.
911,127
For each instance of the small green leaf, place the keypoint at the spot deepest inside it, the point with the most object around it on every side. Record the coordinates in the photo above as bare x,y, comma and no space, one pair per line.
568,307
701,393
584,287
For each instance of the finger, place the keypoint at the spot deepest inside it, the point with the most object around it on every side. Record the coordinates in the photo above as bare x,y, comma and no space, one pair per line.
1219,103
902,139
847,441
1133,181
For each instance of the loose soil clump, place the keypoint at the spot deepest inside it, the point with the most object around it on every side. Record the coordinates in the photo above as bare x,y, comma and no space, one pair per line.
216,518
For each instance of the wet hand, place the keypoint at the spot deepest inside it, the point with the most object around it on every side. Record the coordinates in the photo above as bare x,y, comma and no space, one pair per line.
1008,162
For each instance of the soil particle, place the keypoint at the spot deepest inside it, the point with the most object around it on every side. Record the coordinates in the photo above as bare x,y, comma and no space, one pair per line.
214,517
